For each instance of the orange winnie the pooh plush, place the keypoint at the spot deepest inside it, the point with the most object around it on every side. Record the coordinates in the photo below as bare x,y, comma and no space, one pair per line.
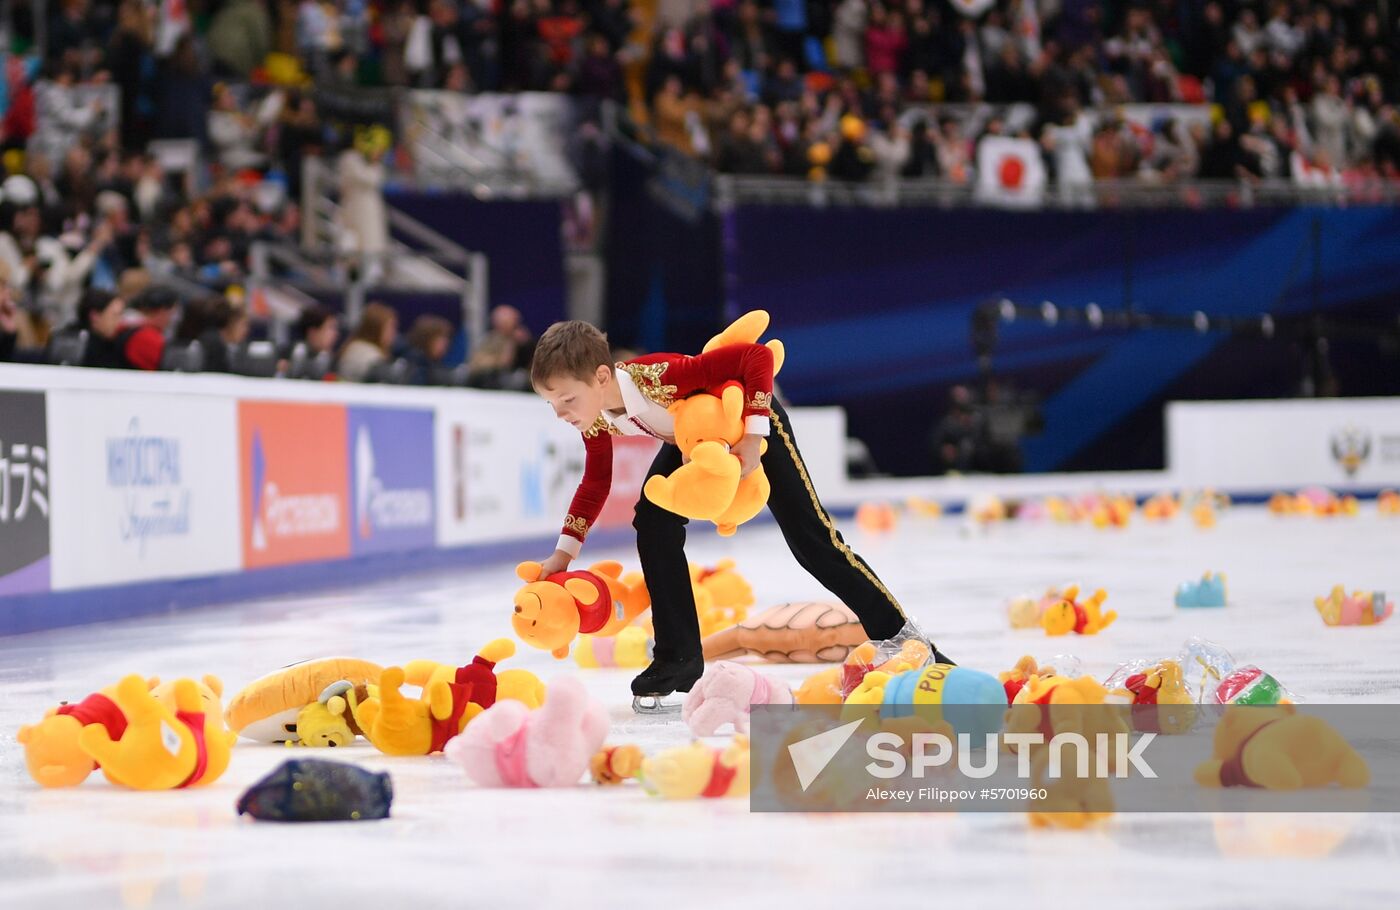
51,749
175,736
708,487
551,612
1276,748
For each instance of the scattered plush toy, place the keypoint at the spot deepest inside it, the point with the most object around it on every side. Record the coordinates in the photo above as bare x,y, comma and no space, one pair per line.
986,509
728,589
174,737
422,726
328,721
1213,676
1160,701
924,508
51,750
611,765
1388,503
876,517
1203,514
516,685
1362,608
698,771
631,648
1111,512
1209,591
1051,705
722,596
822,688
268,709
1161,507
970,701
312,790
551,612
908,650
1279,749
1025,611
511,746
791,633
726,694
708,487
1016,678
1068,614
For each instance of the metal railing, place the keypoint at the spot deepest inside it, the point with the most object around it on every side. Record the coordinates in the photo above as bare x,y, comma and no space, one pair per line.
884,192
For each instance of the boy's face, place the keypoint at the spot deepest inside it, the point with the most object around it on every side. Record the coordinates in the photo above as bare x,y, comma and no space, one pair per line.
577,402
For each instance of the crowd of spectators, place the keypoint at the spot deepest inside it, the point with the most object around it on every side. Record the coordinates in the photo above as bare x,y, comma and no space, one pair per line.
1302,89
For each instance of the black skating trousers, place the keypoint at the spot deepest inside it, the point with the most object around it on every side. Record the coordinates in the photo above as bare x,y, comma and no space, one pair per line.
808,530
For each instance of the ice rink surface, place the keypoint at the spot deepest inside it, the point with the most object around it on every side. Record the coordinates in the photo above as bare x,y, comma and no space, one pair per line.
450,845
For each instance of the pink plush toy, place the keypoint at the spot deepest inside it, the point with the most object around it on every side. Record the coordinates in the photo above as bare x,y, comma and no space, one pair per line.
724,695
508,745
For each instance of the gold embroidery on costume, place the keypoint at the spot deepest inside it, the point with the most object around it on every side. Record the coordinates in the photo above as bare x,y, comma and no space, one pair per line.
647,378
601,425
761,401
836,540
576,524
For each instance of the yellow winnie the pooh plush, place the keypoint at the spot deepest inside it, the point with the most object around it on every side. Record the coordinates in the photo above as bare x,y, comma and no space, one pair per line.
1276,748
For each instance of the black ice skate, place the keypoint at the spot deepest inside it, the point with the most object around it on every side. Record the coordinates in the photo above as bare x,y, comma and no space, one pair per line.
664,676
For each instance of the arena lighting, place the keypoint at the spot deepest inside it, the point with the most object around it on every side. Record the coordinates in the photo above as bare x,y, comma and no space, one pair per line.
1049,313
1201,321
1094,315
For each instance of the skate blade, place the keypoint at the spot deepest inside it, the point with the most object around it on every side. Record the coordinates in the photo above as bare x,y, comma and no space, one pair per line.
652,704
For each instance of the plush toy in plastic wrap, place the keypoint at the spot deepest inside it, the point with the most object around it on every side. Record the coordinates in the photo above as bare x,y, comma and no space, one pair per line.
1210,672
1161,702
313,790
699,771
908,650
1025,611
1207,591
1070,614
1013,680
1362,608
551,612
1277,748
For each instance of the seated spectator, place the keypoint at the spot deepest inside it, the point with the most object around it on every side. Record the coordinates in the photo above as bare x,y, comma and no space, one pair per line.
221,328
9,317
370,344
319,329
100,315
428,340
143,339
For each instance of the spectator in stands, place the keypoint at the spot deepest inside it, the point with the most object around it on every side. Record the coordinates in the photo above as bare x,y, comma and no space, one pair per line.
509,329
319,329
142,340
100,315
371,343
9,317
363,217
428,340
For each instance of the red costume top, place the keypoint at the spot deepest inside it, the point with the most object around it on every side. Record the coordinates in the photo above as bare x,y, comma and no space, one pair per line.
649,386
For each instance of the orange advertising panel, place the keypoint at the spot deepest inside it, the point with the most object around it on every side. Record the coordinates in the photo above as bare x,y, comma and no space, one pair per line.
294,482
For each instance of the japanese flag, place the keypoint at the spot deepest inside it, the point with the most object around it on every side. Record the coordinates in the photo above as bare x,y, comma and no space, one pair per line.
1010,172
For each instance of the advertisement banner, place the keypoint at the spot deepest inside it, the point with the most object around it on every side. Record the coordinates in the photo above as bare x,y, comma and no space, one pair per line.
391,468
144,487
1348,442
506,469
25,493
294,474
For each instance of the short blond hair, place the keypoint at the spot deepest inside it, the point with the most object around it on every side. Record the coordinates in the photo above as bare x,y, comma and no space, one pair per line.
574,349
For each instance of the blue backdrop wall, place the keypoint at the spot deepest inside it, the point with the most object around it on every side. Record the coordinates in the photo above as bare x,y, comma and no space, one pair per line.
875,308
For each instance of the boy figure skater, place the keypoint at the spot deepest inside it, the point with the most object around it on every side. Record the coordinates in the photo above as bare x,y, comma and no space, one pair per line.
573,371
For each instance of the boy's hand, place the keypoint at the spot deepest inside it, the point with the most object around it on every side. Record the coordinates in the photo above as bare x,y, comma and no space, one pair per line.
748,451
559,562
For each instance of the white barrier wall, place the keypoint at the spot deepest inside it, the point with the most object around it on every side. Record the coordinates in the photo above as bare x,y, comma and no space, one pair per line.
113,477
1341,442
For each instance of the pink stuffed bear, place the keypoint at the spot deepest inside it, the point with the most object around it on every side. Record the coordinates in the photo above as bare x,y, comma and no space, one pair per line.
508,745
724,695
